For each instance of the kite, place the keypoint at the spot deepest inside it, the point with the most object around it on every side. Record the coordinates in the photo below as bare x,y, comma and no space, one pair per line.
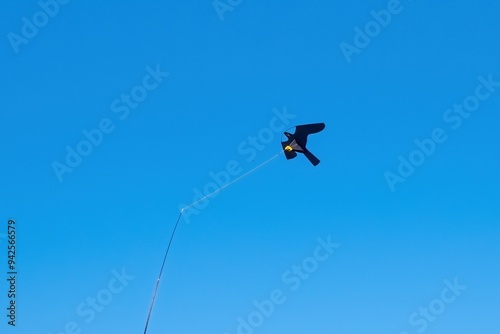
294,143
297,142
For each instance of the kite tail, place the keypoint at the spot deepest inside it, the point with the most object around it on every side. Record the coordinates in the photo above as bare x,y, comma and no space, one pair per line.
312,158
177,223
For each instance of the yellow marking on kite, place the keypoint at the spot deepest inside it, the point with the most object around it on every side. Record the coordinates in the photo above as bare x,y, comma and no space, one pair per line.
288,149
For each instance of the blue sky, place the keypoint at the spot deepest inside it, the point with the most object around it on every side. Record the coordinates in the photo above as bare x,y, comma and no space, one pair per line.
169,92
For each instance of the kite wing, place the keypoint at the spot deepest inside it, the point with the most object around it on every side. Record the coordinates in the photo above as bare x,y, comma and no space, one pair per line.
302,131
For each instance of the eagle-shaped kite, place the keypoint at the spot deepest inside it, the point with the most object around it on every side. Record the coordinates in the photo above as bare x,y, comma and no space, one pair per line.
297,141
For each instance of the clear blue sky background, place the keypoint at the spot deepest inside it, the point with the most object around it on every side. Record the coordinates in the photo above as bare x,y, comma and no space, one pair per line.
118,207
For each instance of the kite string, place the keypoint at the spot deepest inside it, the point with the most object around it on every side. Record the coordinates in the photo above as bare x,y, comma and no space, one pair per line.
161,271
234,181
177,223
